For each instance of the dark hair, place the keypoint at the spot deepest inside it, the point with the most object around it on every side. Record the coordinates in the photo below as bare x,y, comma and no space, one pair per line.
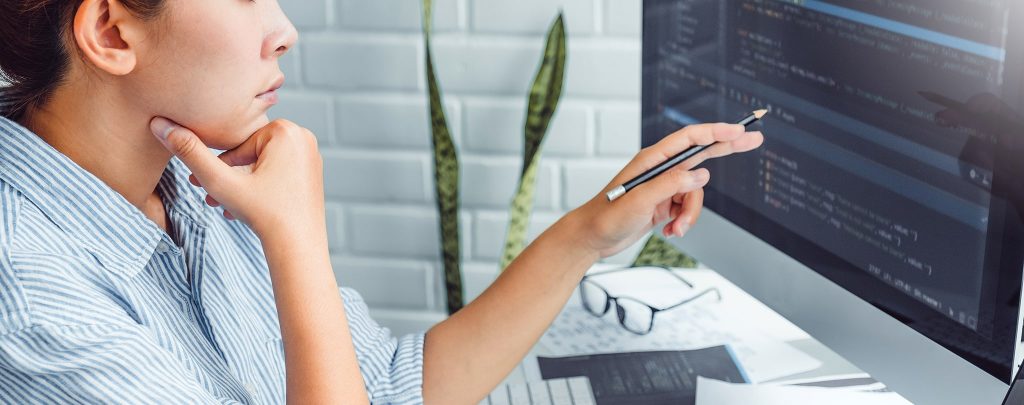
35,56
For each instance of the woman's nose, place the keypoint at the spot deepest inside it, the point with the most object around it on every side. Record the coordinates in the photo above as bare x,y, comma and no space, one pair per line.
281,38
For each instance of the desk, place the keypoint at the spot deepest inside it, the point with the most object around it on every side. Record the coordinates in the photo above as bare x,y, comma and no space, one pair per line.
736,313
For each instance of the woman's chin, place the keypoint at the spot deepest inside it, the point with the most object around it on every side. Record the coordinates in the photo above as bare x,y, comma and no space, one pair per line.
232,139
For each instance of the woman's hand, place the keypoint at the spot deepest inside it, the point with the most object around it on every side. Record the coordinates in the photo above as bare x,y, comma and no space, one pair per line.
677,194
273,181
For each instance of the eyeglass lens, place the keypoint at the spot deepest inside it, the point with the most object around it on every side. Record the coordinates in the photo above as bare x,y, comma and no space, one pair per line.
595,299
633,315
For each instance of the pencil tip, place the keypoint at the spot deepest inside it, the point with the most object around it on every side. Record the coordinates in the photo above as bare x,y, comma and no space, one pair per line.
760,113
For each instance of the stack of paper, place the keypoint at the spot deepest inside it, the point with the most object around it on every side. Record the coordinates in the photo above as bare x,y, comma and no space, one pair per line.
714,392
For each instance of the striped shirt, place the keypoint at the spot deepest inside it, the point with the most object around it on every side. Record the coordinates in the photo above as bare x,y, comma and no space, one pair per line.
99,305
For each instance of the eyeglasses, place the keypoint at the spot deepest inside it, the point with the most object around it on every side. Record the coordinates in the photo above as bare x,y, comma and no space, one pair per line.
634,315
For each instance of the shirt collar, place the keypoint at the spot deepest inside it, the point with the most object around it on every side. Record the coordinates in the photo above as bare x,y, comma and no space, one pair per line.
86,208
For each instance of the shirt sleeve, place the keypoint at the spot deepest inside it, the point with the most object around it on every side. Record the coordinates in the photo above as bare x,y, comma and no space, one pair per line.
113,364
392,367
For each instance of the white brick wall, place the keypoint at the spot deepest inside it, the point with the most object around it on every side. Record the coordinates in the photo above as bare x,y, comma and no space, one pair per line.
357,80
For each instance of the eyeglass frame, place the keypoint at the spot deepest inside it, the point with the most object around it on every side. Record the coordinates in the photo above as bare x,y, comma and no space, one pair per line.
620,311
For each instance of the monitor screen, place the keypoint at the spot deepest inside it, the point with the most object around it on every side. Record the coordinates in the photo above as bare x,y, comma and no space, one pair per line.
894,155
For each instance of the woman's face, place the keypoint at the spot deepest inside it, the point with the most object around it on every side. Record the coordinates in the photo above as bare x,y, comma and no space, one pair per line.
209,64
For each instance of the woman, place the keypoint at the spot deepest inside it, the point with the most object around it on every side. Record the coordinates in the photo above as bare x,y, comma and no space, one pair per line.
117,284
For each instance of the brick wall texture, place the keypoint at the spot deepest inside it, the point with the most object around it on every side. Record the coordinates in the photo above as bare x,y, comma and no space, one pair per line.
356,78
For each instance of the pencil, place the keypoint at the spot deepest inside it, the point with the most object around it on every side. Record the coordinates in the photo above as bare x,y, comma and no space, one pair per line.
675,160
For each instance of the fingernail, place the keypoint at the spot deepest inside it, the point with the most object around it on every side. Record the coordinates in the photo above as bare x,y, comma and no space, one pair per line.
161,127
701,176
685,227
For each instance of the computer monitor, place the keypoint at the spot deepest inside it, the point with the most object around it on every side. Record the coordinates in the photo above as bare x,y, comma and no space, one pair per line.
883,213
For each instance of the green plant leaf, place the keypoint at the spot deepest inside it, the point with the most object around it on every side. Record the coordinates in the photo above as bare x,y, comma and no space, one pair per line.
658,252
544,96
446,177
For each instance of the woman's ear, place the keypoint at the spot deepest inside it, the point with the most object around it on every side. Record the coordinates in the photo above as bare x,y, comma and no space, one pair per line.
105,32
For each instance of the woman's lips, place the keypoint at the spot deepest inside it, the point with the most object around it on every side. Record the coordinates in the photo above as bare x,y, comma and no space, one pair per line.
269,97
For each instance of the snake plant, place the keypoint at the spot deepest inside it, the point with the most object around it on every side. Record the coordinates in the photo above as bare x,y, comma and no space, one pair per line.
446,177
658,252
544,96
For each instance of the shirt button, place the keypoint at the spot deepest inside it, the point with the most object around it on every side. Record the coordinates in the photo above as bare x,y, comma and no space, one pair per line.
162,247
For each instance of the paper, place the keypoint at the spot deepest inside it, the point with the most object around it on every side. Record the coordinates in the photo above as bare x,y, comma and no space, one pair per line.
853,382
714,392
645,378
661,289
703,323
765,360
557,391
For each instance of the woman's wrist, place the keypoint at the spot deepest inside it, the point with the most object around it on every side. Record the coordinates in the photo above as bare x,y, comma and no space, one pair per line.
296,229
572,233
291,241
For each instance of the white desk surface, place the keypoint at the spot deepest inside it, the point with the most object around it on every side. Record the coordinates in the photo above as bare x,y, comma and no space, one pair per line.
737,311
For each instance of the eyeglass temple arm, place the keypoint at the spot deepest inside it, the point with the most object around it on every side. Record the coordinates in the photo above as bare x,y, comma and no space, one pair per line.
667,269
702,293
678,277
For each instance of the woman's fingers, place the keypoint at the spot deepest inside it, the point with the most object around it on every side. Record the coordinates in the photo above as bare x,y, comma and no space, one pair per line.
249,151
662,187
244,154
184,144
676,195
692,204
290,175
671,145
685,210
731,138
699,134
747,142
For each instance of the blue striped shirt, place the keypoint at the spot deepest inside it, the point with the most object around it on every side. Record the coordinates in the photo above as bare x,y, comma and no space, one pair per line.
99,305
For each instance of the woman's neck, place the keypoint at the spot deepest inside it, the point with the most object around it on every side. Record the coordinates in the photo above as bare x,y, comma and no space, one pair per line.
110,138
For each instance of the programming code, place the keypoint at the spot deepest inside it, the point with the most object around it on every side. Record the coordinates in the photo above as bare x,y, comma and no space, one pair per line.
854,160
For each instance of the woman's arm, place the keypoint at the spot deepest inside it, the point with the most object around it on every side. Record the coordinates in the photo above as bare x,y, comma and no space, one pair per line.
274,183
469,353
319,355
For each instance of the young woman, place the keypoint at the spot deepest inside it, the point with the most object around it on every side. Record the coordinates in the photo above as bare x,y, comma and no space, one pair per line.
119,285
